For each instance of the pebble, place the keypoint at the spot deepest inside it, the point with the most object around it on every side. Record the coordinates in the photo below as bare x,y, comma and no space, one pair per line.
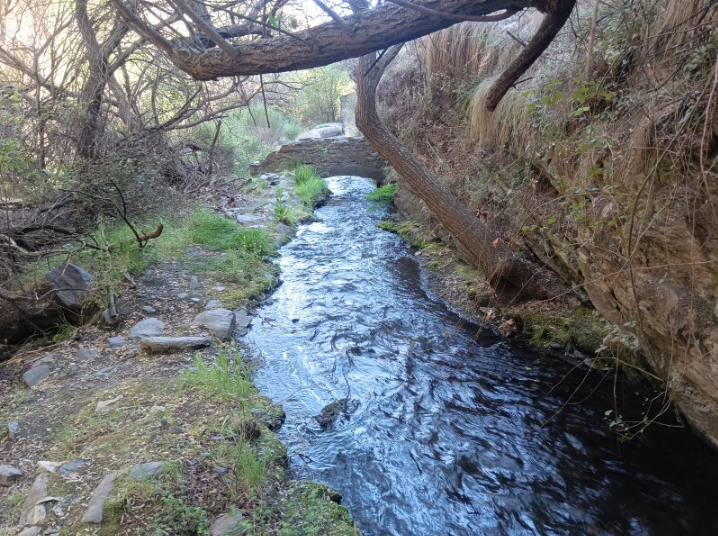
149,310
71,467
105,406
86,354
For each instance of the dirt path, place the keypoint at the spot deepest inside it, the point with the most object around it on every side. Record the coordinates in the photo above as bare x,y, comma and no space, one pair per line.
78,437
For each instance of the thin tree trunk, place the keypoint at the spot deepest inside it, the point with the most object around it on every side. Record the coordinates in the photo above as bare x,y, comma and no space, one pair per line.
507,274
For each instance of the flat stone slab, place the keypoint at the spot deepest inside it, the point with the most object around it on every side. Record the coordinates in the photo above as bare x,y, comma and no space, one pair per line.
249,218
9,475
149,327
33,511
220,322
170,345
93,514
105,406
71,467
147,470
213,304
36,374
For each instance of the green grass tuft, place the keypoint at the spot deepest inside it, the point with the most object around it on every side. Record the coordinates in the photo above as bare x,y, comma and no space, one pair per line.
310,187
382,196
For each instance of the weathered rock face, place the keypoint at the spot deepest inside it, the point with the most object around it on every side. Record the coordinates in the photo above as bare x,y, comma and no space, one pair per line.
331,156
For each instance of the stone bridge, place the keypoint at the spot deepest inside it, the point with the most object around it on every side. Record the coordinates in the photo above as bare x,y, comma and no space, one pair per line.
339,155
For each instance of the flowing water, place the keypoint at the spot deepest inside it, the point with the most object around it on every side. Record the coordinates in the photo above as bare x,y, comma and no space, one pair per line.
440,432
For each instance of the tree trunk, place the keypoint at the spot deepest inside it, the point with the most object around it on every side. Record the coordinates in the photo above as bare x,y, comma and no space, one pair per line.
510,276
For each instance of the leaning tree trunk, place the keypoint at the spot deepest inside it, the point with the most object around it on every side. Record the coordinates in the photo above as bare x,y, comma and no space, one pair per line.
507,274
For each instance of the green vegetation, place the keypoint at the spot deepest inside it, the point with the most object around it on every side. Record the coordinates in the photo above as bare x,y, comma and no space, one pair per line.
310,187
250,138
382,196
227,380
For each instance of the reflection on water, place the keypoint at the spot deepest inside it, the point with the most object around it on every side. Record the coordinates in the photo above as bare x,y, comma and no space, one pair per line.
441,434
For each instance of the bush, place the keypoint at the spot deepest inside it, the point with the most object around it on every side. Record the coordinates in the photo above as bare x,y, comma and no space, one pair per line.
382,196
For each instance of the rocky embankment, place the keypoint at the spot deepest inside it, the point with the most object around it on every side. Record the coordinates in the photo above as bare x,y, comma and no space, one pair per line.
151,424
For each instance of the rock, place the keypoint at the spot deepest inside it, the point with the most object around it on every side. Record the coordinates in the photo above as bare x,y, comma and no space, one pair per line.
50,467
31,531
220,471
333,411
169,345
213,304
231,524
149,327
71,284
148,309
220,322
193,283
86,354
12,429
249,218
116,342
183,295
105,406
148,470
71,467
9,475
32,511
242,319
93,514
36,374
220,288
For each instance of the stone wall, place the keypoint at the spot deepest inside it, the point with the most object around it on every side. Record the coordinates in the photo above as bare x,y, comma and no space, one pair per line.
332,156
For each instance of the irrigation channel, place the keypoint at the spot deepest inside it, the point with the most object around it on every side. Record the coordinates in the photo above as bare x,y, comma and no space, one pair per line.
438,432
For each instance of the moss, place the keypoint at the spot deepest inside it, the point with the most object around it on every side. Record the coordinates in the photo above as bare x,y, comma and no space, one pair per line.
578,329
409,231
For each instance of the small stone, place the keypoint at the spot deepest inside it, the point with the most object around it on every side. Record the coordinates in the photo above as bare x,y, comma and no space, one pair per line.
183,295
220,471
168,345
93,514
148,470
36,374
50,467
71,467
555,346
105,406
213,304
220,288
149,327
193,282
231,524
9,475
12,429
149,309
176,429
195,300
86,354
157,409
116,342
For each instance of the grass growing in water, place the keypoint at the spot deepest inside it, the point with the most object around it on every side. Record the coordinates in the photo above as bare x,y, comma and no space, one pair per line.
382,196
310,187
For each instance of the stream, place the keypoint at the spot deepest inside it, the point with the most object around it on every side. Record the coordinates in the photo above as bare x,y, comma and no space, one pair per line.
439,431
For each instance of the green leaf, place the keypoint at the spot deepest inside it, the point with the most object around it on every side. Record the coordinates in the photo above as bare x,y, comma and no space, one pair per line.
553,219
